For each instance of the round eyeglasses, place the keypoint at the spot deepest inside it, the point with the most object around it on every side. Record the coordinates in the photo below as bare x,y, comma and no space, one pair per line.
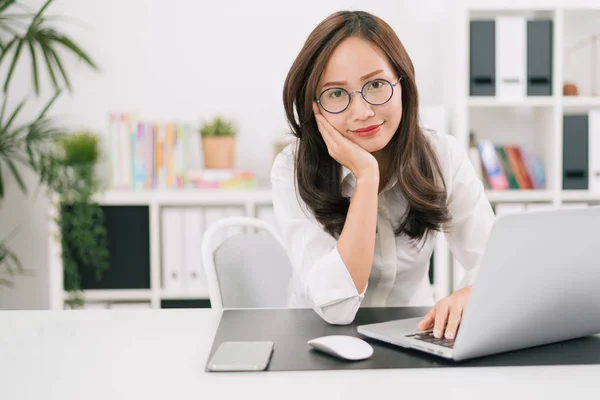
376,92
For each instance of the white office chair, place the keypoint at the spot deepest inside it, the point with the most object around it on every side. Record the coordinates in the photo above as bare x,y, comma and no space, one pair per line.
247,270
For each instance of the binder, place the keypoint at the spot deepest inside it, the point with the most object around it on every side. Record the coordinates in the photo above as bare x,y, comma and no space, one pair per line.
194,276
539,58
511,57
594,150
172,249
575,152
482,56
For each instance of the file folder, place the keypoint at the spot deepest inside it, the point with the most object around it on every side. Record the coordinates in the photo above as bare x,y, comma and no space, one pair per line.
575,152
539,58
511,57
172,250
482,56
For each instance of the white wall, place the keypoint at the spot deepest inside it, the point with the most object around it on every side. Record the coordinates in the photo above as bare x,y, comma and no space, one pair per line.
187,60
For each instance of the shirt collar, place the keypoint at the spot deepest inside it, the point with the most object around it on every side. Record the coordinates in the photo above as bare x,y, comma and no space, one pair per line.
345,172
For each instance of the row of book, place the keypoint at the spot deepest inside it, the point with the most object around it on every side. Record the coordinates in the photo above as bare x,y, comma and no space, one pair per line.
149,155
507,166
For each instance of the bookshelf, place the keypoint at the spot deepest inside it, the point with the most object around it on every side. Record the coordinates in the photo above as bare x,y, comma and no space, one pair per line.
253,202
535,122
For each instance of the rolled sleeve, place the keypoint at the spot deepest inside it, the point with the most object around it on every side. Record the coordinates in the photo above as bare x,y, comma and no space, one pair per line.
318,267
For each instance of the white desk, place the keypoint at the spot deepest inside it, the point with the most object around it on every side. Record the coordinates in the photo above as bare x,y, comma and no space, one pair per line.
161,354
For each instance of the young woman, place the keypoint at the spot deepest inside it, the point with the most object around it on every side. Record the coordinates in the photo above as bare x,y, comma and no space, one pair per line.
363,191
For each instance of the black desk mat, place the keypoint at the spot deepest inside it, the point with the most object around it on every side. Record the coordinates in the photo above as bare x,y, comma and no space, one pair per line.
291,329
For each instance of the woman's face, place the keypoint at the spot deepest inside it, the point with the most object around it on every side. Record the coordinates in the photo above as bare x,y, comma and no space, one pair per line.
353,63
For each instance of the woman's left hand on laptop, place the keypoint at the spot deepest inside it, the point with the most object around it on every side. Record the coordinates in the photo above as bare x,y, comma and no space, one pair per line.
445,316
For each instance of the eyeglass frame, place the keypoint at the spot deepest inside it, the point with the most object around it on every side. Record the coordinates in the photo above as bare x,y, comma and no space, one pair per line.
393,85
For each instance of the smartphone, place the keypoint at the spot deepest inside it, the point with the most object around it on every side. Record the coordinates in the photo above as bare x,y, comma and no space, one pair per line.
241,356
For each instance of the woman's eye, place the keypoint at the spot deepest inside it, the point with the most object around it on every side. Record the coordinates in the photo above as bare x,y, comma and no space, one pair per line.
336,94
376,85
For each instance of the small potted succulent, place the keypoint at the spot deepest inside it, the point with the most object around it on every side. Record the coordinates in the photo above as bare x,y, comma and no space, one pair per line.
218,143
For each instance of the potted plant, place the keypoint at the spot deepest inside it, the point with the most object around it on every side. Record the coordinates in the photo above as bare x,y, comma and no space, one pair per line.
218,143
81,225
28,143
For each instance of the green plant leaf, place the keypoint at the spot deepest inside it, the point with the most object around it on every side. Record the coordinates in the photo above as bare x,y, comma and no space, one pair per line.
50,102
3,110
13,64
1,183
49,65
37,16
34,67
6,282
60,68
69,44
6,49
16,175
6,127
4,4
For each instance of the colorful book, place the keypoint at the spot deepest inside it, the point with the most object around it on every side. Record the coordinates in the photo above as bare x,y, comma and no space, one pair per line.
491,164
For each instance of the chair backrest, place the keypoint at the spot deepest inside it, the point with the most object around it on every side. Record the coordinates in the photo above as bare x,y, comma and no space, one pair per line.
248,270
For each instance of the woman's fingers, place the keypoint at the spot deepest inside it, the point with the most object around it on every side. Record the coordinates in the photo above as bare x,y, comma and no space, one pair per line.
441,316
427,319
454,320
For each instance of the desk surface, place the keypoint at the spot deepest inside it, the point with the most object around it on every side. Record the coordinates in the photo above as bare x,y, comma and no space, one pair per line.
161,354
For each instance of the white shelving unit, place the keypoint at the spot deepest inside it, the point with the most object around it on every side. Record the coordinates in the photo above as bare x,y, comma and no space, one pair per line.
251,200
534,121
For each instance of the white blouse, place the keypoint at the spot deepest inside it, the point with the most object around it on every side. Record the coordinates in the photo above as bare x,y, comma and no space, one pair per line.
399,273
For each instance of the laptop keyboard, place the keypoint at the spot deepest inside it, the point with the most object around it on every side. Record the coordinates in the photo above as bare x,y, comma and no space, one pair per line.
427,336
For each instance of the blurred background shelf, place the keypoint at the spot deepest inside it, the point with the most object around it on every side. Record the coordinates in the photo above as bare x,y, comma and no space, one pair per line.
532,101
580,196
184,296
184,197
114,295
497,196
576,104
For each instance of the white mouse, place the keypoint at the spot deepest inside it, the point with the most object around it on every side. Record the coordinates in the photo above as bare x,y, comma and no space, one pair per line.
344,347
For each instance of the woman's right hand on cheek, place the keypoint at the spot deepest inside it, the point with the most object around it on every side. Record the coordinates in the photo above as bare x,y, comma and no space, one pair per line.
344,151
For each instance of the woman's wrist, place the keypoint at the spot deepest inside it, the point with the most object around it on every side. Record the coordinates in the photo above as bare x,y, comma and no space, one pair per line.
368,180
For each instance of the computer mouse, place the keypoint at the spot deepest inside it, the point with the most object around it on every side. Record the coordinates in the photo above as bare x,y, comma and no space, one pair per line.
344,347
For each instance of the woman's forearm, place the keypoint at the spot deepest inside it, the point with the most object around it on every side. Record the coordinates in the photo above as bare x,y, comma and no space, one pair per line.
356,243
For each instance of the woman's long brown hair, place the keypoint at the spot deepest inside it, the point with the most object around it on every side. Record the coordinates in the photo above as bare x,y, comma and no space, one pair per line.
413,161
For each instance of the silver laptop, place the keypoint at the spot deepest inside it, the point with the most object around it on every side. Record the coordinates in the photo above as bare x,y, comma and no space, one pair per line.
539,283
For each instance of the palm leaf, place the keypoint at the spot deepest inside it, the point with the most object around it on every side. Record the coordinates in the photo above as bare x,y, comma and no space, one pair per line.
4,4
52,100
16,175
5,282
6,127
1,183
13,64
36,82
60,68
49,65
69,44
38,16
6,49
3,110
